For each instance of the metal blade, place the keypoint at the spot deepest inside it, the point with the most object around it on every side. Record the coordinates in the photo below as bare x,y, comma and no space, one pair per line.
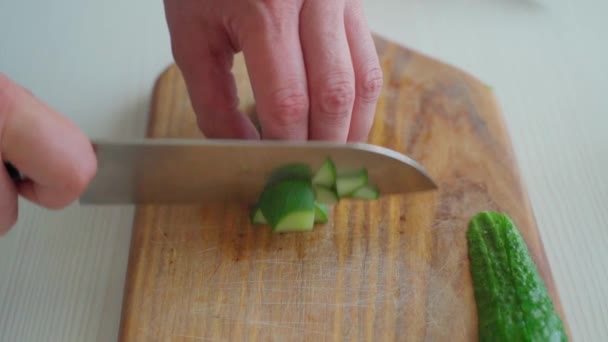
167,171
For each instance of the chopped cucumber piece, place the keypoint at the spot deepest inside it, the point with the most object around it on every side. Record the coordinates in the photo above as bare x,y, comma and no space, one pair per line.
326,175
297,221
348,182
325,195
289,205
294,199
366,192
320,213
291,172
258,217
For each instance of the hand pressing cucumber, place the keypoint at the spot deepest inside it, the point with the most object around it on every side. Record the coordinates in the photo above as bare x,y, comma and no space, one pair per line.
313,66
294,199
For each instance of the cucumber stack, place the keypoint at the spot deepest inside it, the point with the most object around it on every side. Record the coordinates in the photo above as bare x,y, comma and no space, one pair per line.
294,199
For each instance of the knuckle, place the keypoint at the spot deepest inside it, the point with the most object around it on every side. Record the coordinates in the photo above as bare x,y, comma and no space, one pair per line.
279,9
371,84
336,96
289,106
278,15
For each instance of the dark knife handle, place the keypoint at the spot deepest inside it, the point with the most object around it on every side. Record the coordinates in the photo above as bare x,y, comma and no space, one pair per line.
15,175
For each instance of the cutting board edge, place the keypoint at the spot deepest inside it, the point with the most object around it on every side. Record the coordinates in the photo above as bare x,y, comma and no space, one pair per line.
515,164
528,205
550,280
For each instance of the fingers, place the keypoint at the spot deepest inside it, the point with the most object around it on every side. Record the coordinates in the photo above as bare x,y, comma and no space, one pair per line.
49,150
271,46
312,66
8,202
330,70
204,55
368,73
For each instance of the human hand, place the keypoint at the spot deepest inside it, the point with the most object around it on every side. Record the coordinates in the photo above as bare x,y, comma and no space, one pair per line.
312,64
50,151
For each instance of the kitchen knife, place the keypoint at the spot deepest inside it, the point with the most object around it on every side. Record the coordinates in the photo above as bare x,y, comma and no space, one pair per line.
174,171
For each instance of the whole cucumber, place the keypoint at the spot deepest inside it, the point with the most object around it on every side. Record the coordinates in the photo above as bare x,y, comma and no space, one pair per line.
512,301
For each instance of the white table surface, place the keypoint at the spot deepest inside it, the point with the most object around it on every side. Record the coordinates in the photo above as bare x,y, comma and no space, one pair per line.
62,273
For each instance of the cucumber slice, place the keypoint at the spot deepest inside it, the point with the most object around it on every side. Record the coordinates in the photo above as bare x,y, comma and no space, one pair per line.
258,217
325,195
368,192
299,221
289,205
326,175
348,182
294,199
290,172
320,213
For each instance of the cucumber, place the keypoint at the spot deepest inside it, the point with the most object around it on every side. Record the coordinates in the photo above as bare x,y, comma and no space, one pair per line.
512,301
290,171
258,217
367,192
326,175
294,199
325,195
348,182
320,213
289,205
297,221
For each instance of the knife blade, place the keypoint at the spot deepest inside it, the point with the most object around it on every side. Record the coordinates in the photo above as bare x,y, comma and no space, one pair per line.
173,171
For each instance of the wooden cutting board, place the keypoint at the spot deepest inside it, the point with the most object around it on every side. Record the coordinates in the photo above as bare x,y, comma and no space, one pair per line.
393,269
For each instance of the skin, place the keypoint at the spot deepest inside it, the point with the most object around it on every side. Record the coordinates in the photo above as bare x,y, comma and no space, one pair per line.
313,68
55,155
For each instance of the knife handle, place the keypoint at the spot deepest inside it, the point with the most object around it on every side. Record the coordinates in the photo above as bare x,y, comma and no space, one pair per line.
15,175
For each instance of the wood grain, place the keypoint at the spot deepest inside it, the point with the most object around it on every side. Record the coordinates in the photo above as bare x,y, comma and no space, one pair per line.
393,269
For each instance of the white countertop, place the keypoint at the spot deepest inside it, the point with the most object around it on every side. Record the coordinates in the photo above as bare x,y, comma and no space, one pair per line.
62,273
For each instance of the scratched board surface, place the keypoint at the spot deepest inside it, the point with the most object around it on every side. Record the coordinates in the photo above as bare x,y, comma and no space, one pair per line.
388,270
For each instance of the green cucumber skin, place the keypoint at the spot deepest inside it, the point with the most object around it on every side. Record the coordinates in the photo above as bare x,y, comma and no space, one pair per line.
325,195
321,213
345,181
293,206
367,192
285,197
326,175
512,301
297,221
257,217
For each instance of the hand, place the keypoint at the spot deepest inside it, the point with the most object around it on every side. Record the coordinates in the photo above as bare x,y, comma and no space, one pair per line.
51,152
313,66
